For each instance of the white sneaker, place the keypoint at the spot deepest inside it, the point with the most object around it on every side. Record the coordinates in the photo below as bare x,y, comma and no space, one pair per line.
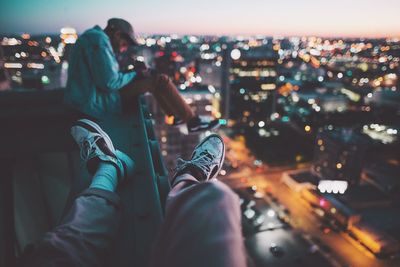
96,146
207,158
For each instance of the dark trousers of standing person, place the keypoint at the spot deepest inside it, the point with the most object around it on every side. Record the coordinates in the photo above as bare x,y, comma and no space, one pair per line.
164,91
201,228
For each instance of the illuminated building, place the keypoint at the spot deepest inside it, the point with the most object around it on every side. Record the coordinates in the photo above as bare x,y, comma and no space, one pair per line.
33,62
368,215
339,155
252,82
363,211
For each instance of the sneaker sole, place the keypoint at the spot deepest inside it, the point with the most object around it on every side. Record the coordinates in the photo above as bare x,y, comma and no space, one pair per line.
96,127
223,149
205,129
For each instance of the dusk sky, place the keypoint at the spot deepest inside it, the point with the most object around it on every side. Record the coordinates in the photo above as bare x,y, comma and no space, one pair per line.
358,18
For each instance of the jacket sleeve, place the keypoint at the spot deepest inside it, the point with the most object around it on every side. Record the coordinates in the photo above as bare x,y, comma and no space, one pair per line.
104,68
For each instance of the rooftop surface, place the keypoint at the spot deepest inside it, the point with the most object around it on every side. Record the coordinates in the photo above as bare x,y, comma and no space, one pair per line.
36,146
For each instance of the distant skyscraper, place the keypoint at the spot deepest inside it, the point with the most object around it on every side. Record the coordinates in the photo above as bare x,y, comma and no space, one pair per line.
339,155
225,84
252,82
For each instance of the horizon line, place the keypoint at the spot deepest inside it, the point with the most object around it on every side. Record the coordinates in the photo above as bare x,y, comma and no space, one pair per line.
140,34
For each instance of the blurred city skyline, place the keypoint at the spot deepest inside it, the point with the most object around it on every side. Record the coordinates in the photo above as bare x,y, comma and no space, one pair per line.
341,18
310,119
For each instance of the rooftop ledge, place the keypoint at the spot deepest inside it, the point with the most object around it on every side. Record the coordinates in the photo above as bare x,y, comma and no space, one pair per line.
41,173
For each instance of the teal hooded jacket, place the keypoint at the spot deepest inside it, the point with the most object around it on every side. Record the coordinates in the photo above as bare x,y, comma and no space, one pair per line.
94,77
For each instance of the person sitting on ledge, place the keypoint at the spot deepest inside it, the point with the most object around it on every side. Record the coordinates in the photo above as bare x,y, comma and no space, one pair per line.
96,87
202,224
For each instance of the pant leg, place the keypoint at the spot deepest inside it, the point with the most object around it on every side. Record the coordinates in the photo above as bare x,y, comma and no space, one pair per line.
84,236
141,86
164,91
202,227
167,91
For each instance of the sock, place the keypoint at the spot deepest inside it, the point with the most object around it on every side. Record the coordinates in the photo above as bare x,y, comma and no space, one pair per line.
193,171
105,178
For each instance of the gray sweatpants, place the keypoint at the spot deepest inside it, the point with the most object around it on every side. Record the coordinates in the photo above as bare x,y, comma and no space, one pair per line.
201,228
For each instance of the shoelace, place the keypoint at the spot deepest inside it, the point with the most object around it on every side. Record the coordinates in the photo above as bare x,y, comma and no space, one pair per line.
202,162
88,147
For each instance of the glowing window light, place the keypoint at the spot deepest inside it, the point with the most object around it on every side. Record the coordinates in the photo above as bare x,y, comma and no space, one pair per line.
235,54
271,213
10,41
12,65
223,121
285,119
211,89
268,86
35,66
45,79
249,213
295,98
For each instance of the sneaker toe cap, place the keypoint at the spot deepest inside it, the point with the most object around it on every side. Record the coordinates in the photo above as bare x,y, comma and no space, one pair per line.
216,144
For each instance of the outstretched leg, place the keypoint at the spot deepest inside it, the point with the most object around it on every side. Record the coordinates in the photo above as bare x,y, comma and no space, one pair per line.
169,98
202,226
85,234
164,91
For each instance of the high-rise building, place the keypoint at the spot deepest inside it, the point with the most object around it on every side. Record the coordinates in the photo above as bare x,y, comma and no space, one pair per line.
225,84
339,155
252,78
